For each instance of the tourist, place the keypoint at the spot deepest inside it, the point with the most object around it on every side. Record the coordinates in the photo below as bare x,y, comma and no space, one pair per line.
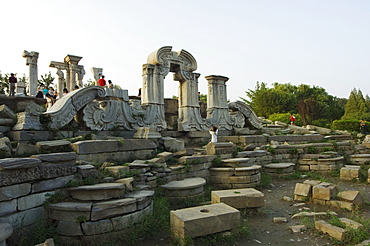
77,87
139,95
102,82
51,92
110,86
363,127
39,93
214,132
45,91
49,101
12,82
65,91
292,119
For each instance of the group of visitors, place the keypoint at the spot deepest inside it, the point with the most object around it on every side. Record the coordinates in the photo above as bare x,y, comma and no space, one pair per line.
102,82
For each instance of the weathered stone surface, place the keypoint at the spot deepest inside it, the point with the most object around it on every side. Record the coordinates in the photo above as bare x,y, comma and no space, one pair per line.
126,221
351,223
340,204
136,144
298,228
116,170
18,163
8,207
303,189
204,220
70,211
34,200
88,171
54,145
69,228
279,220
127,182
24,149
219,148
359,158
352,196
103,210
98,192
143,198
51,184
95,146
165,155
312,214
324,191
23,218
6,231
349,173
56,157
235,162
5,147
97,227
14,191
333,231
173,144
239,198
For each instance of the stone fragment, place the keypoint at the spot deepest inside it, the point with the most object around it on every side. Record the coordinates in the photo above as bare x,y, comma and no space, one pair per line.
18,163
298,228
279,220
334,231
351,223
98,192
57,157
352,196
287,198
340,204
204,220
349,173
324,191
303,189
53,145
103,210
127,182
312,214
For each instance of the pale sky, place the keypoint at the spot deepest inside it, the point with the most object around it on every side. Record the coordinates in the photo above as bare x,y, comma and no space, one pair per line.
317,42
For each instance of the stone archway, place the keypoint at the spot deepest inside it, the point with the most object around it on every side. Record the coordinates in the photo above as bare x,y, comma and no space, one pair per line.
183,65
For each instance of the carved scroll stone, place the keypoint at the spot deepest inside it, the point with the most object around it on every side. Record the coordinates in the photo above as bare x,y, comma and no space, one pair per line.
248,113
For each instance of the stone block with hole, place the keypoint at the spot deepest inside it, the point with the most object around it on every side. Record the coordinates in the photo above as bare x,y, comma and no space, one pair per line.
324,191
349,173
334,231
239,198
204,220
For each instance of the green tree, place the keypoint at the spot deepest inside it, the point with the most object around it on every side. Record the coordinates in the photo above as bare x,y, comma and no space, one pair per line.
356,107
46,79
4,81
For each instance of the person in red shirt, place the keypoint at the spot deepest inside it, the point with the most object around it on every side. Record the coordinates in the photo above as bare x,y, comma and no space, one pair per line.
102,82
292,119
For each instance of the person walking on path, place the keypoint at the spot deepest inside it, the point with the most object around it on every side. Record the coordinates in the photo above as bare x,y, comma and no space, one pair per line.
110,84
12,82
214,132
292,119
102,82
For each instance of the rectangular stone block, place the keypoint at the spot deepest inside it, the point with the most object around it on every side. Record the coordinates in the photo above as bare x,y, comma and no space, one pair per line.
333,231
204,220
303,189
324,191
95,146
239,198
352,196
349,173
24,218
51,184
33,200
341,204
14,191
8,207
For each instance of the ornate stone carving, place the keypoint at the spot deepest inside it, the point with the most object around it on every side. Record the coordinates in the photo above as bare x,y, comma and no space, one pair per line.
30,118
97,73
248,113
63,111
31,61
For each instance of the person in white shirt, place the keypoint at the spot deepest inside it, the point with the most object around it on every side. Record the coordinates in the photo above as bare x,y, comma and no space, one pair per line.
214,132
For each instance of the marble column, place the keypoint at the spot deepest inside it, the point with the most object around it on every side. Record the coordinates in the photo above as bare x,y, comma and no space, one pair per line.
31,61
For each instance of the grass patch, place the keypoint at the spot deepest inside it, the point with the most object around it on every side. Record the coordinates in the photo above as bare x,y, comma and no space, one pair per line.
265,181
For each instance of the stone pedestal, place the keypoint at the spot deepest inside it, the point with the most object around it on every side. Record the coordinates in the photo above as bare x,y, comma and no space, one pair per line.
239,198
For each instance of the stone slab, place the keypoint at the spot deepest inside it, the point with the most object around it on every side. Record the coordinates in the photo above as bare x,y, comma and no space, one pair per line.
103,210
239,198
56,157
98,192
204,220
18,163
333,231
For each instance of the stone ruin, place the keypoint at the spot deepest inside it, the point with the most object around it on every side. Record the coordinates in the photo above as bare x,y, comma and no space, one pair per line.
140,126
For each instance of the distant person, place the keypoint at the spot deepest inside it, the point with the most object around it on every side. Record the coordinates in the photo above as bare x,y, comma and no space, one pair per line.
39,93
292,119
12,82
65,91
77,87
198,96
363,127
139,94
45,91
214,132
102,82
110,84
51,92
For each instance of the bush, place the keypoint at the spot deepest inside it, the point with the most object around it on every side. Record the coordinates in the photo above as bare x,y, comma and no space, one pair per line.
285,118
347,125
321,122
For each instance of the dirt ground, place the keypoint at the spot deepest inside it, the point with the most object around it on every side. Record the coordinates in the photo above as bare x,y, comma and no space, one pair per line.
265,232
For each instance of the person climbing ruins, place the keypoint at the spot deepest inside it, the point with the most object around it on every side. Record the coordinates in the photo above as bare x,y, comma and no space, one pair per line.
12,82
110,84
292,119
363,127
139,94
102,82
214,132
